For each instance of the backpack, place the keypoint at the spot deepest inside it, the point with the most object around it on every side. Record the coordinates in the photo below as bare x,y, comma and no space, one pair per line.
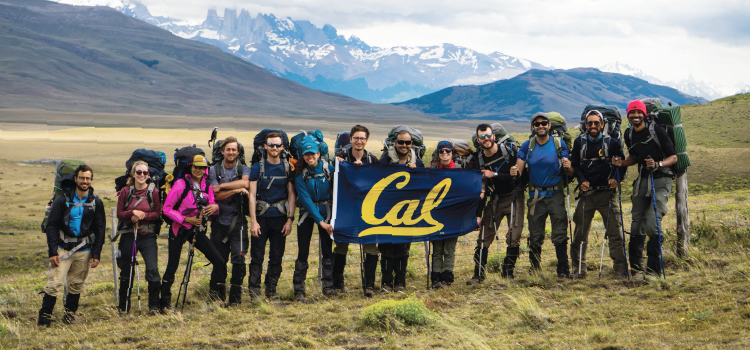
558,133
417,144
156,162
182,158
462,153
343,142
259,155
309,136
612,123
65,167
218,170
217,157
501,135
671,118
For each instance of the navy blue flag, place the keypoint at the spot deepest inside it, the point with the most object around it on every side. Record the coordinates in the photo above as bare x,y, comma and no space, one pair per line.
376,203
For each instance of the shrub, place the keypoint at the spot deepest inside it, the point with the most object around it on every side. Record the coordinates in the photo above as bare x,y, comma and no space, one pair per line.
4,330
494,262
392,314
529,311
740,198
101,288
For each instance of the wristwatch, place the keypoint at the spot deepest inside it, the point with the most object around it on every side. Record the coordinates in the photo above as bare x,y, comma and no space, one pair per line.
660,165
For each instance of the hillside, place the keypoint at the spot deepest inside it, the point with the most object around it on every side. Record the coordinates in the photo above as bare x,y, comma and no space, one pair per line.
94,59
564,91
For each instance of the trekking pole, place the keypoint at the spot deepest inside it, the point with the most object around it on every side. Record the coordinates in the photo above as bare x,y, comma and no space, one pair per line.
188,268
132,266
113,237
606,232
362,267
512,207
622,223
427,260
658,224
567,204
583,227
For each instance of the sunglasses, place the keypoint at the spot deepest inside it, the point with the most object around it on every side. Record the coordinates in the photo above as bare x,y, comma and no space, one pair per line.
445,150
201,167
359,138
542,123
485,136
141,172
275,145
85,178
403,142
593,123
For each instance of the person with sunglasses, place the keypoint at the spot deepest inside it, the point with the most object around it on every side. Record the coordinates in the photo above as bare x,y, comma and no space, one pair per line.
395,257
444,250
357,155
546,168
592,164
183,205
272,199
495,160
650,147
75,235
230,181
138,205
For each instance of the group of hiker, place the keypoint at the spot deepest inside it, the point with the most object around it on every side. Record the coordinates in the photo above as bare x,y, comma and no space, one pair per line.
272,187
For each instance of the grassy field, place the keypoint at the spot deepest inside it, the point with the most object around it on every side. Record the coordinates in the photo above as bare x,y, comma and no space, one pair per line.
704,303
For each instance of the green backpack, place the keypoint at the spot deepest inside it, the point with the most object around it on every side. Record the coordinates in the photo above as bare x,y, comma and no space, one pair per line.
64,168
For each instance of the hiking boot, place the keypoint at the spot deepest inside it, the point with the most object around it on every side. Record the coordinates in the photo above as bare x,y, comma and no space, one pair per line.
299,297
563,276
153,296
400,271
399,289
474,280
253,281
509,262
254,292
436,285
69,318
446,278
168,310
563,269
386,267
535,258
299,276
635,252
371,265
330,292
45,313
435,277
386,289
272,280
369,292
71,306
326,277
153,312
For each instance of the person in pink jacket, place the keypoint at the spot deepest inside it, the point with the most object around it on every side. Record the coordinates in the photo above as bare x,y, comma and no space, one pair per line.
182,206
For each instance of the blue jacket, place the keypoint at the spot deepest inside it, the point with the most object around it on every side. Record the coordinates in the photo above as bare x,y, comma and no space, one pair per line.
316,189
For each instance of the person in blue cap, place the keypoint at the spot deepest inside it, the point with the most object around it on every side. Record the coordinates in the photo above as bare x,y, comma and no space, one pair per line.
315,193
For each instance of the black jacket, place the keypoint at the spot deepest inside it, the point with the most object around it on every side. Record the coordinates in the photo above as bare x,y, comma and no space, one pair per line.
93,222
596,171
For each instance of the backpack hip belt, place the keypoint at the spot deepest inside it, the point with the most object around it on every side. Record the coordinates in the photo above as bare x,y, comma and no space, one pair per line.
145,229
263,206
327,204
76,248
536,198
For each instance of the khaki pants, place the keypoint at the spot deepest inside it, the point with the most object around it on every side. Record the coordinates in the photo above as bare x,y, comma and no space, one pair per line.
604,202
501,206
75,268
343,248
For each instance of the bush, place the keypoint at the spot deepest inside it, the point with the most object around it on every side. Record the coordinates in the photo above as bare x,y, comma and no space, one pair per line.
4,330
392,314
101,288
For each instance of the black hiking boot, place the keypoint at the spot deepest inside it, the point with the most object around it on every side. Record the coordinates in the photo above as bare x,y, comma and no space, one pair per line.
400,272
563,269
446,278
299,277
272,280
45,313
153,297
386,268
339,265
635,252
253,282
435,277
371,266
509,262
71,307
479,266
235,286
535,257
326,270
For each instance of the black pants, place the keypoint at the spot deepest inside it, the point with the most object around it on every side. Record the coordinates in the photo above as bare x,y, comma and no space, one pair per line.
234,243
148,249
203,244
304,235
270,231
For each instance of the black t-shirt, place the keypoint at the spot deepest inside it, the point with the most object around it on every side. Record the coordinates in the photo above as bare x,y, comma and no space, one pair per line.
596,172
502,183
641,147
349,157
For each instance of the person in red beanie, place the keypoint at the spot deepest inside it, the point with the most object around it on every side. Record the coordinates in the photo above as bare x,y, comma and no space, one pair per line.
650,147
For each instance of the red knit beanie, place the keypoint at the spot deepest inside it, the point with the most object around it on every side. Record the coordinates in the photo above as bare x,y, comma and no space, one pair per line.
637,105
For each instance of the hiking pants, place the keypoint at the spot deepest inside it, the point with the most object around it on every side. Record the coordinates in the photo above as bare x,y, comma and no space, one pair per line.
270,231
444,254
203,244
75,268
147,249
604,202
220,233
304,235
343,248
644,221
554,207
497,209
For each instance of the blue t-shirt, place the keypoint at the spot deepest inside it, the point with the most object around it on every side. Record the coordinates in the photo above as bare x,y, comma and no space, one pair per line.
544,165
278,190
229,207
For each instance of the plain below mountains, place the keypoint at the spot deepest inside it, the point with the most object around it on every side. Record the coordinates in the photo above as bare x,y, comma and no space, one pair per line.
69,58
563,91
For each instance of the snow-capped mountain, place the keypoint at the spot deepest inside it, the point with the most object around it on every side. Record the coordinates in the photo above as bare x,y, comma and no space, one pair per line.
320,58
688,86
744,90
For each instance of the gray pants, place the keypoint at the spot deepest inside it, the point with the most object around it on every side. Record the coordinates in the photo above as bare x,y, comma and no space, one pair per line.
554,207
444,254
644,221
493,215
606,204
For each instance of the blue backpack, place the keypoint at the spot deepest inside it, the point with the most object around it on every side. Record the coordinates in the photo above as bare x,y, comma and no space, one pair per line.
307,136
